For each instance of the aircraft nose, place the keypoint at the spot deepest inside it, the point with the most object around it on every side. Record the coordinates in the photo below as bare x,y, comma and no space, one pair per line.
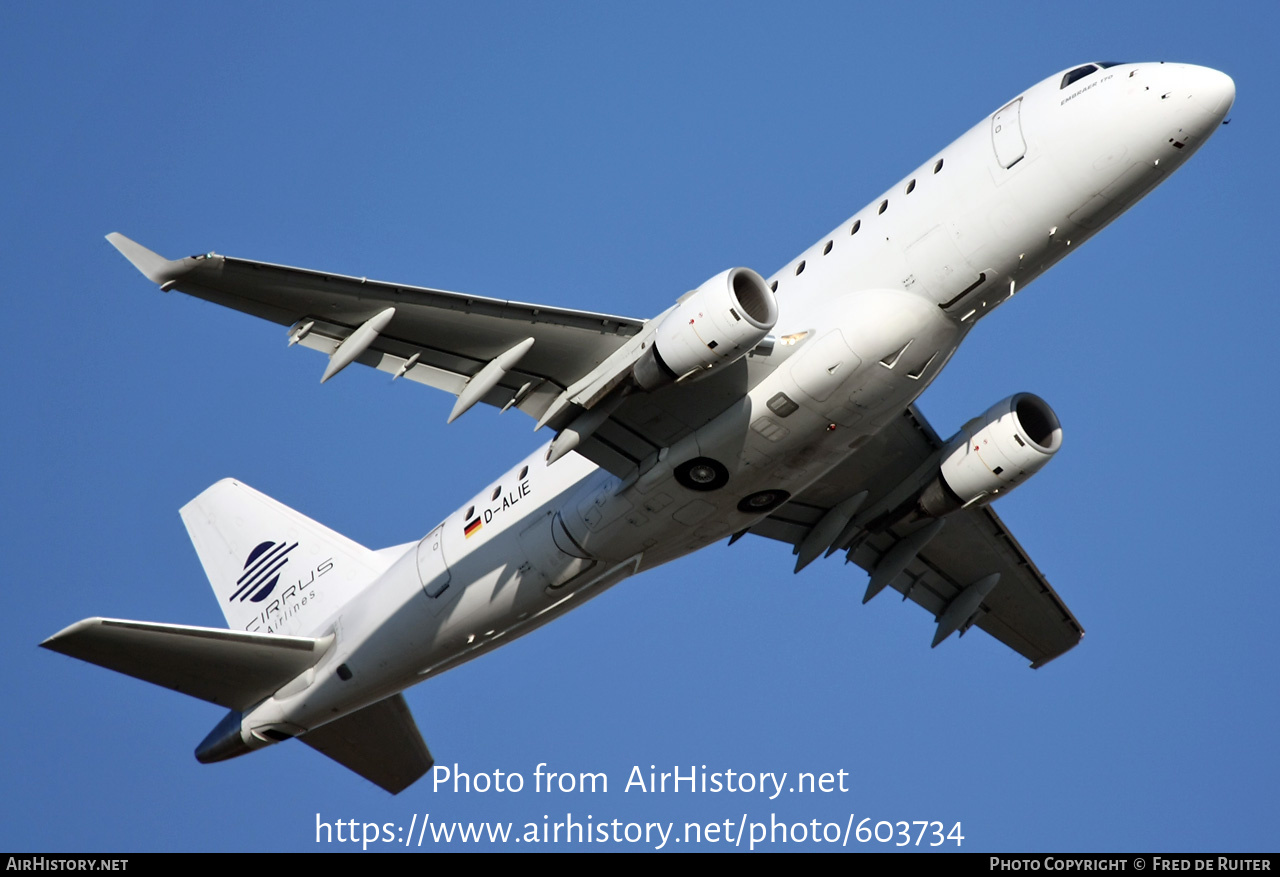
1214,91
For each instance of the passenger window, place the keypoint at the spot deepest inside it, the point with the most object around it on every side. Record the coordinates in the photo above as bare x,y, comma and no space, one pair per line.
827,248
937,167
911,187
857,224
800,267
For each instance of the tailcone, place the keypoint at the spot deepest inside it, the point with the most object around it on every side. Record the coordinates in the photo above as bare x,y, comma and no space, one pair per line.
224,741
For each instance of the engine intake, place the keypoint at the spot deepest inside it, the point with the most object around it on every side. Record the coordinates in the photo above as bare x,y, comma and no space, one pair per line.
994,453
715,324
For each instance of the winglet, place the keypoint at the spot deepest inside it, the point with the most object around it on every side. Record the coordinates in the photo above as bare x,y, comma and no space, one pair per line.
155,267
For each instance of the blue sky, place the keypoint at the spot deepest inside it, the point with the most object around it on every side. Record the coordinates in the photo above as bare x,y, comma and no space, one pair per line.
611,157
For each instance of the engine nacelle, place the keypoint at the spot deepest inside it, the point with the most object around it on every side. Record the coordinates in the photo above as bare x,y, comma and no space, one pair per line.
713,325
993,454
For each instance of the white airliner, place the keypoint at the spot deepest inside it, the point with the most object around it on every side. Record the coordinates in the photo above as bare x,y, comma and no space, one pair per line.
779,407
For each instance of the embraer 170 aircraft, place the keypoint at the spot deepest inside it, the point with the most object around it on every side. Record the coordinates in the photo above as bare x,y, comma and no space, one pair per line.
779,407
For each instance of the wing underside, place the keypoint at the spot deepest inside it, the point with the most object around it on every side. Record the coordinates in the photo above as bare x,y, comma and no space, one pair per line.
1022,611
438,338
451,341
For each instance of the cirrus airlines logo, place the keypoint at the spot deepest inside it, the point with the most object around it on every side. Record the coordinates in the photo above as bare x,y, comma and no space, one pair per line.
262,571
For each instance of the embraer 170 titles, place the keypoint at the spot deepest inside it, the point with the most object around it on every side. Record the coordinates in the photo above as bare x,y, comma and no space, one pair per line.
781,407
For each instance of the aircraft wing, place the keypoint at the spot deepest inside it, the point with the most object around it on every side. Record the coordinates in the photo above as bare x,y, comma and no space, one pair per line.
1022,610
549,362
442,339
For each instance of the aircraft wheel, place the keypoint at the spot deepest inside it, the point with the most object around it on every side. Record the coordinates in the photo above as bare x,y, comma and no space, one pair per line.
702,473
763,501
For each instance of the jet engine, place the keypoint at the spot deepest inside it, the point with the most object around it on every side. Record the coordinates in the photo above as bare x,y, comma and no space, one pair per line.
994,453
715,324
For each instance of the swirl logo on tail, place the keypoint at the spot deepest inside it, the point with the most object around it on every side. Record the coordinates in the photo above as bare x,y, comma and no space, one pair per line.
262,571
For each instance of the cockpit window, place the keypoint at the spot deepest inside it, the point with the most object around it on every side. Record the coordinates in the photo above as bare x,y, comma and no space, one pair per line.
1077,74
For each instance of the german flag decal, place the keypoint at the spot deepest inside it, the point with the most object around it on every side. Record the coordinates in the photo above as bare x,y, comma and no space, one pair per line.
472,528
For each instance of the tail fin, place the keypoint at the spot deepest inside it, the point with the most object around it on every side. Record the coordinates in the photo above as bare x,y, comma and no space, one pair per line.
273,569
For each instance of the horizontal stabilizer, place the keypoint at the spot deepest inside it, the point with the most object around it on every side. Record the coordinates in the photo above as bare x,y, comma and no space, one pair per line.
233,669
380,742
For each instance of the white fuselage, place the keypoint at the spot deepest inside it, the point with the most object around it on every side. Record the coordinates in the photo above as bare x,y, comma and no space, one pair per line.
868,317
